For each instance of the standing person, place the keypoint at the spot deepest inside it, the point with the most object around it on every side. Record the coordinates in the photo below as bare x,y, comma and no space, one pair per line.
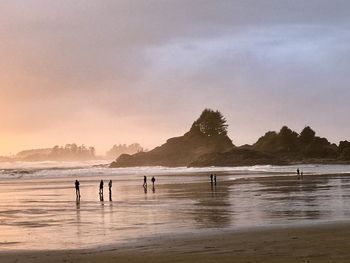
211,178
215,179
110,190
298,173
153,180
145,181
101,190
77,190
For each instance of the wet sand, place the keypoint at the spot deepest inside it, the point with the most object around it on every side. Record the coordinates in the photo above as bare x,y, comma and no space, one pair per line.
186,219
308,243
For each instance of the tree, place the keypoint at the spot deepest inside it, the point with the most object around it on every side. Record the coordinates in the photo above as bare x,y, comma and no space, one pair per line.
306,136
345,154
210,123
117,150
284,141
343,145
268,142
319,148
288,138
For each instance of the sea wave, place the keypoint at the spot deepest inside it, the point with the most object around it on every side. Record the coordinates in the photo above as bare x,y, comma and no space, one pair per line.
18,170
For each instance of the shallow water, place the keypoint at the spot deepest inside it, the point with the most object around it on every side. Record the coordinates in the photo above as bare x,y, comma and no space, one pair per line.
42,213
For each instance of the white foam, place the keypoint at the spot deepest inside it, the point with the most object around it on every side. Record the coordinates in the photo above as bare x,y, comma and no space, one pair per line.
100,168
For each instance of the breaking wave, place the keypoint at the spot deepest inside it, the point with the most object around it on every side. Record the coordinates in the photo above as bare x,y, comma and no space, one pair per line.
16,170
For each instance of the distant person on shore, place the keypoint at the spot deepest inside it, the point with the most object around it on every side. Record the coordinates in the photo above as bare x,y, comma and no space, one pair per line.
145,181
77,190
101,190
153,181
215,179
110,190
211,178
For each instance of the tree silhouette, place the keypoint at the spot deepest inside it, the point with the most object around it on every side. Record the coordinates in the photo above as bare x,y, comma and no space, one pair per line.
117,150
210,123
307,135
288,138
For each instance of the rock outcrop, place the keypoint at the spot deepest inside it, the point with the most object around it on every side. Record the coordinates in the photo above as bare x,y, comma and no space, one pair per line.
207,135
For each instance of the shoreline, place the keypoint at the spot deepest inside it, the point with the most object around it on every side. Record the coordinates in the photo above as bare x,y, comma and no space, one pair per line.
324,242
252,219
54,172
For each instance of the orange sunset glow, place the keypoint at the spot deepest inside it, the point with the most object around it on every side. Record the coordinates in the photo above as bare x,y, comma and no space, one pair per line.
124,72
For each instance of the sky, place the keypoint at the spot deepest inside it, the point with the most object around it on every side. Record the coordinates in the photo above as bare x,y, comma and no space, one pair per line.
103,72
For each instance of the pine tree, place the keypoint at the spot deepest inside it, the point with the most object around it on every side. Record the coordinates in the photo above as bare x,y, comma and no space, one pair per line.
210,123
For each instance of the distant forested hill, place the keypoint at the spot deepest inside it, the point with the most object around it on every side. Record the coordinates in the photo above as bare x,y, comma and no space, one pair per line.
208,134
207,144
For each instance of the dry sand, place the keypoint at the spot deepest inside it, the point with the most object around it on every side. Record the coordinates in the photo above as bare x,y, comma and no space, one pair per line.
312,243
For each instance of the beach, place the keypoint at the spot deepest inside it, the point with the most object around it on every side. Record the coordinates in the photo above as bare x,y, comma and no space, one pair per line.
312,243
174,131
252,214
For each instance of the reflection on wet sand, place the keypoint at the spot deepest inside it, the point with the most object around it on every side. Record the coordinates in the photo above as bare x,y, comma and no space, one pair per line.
211,203
38,208
213,209
287,199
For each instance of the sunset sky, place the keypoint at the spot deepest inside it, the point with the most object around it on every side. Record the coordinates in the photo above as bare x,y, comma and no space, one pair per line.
108,72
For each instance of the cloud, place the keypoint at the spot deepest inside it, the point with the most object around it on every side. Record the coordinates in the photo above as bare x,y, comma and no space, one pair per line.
152,66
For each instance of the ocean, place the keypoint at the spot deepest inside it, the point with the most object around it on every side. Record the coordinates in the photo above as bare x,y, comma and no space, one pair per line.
51,169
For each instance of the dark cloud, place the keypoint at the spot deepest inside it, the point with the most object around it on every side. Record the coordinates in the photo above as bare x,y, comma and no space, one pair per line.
122,64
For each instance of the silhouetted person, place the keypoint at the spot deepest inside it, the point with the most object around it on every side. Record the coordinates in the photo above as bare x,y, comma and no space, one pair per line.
145,181
101,190
215,179
77,190
298,173
110,190
153,181
211,178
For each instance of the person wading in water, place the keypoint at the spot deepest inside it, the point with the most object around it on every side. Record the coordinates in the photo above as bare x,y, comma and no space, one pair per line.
77,190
